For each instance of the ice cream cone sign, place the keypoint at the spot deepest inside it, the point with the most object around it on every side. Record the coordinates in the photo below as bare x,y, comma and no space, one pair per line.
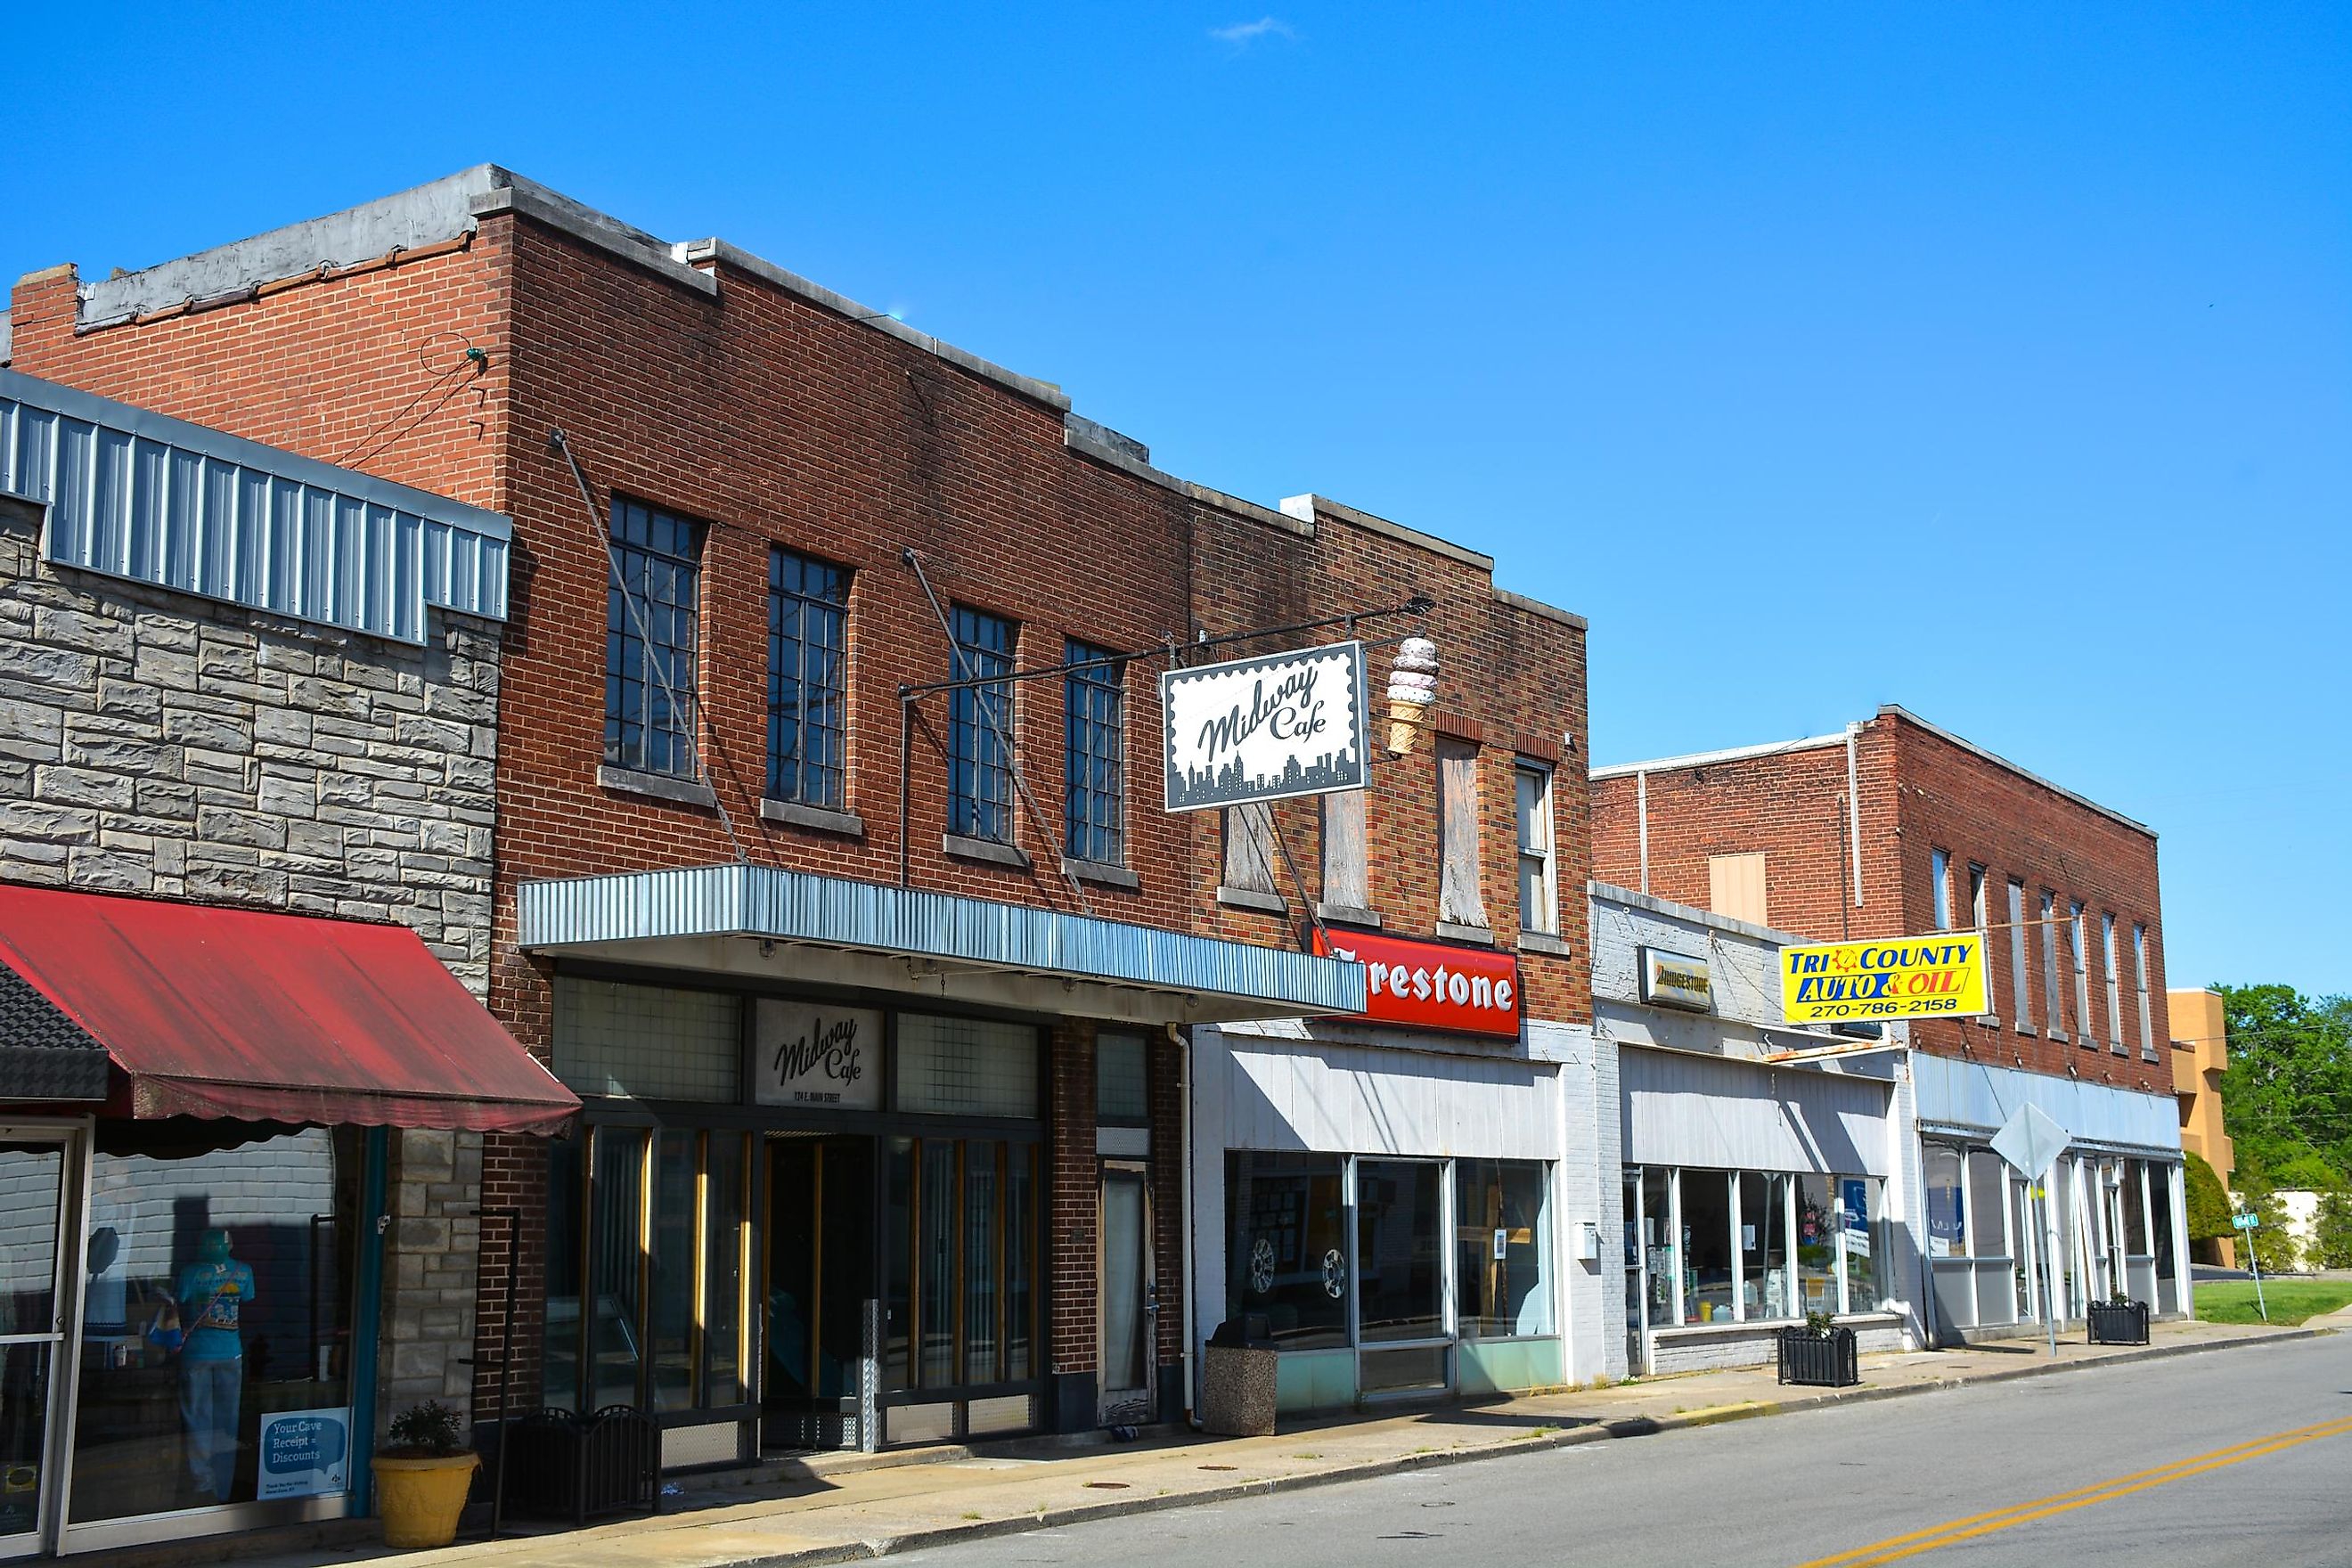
1412,688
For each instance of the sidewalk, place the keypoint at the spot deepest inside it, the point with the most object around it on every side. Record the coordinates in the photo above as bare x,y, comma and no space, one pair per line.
848,1507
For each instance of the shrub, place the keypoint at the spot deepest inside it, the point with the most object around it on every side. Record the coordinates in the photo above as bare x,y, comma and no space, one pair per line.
427,1431
2332,1232
2208,1203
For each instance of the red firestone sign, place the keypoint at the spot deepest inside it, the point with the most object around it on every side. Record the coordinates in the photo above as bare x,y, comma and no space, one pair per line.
1428,985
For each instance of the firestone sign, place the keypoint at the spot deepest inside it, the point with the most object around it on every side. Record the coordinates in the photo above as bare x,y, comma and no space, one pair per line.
1265,729
1427,985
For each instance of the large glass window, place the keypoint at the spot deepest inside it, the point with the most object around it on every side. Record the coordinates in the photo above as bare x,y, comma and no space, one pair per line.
1286,1246
963,1250
1659,1243
979,729
649,641
723,1275
1502,1282
1869,1239
1946,1203
1988,1208
613,1331
1093,775
966,1067
217,1305
674,1260
1400,1272
1708,1284
808,620
1819,1287
1764,1283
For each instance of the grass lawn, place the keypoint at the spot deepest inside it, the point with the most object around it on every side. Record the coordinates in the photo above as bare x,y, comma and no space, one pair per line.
2291,1300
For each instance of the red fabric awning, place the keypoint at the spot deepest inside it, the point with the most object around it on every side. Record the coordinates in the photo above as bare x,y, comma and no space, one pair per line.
260,1016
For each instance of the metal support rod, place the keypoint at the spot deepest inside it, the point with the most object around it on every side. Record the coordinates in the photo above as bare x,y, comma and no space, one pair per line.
1046,841
1419,605
1282,842
513,1219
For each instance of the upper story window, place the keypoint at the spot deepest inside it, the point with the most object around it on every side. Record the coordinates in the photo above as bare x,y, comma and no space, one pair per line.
1093,751
650,640
2020,1002
1940,872
980,728
2078,952
2139,971
1539,900
808,617
1459,902
1981,916
2114,984
2053,995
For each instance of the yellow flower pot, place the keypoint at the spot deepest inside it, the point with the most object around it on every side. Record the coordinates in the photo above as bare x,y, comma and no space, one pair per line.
419,1500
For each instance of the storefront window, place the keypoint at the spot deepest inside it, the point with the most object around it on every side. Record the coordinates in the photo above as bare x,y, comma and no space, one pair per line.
1763,1246
1400,1273
1708,1286
1868,1237
1286,1246
674,1262
723,1269
1946,1203
1664,1256
616,1255
218,1309
1817,1244
2135,1212
973,1295
559,1354
1987,1184
1502,1278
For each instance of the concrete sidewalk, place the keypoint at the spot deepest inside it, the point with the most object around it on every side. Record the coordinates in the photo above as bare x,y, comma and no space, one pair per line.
847,1506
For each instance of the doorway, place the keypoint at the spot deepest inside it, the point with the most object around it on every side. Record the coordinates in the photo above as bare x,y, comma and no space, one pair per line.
41,1190
1130,1295
819,1276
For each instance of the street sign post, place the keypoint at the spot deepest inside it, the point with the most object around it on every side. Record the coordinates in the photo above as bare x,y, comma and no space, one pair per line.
2249,1223
2031,1140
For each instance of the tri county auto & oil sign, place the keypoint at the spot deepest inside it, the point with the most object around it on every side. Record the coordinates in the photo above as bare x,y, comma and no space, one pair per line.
1941,975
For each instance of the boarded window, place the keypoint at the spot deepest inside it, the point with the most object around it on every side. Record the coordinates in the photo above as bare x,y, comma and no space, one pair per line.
1735,887
1346,883
1249,848
1458,899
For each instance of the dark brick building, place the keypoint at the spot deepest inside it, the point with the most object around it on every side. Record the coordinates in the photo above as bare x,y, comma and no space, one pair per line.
1898,827
875,996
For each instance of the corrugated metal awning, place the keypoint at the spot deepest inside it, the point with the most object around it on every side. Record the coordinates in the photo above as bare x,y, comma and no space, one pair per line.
254,1016
605,916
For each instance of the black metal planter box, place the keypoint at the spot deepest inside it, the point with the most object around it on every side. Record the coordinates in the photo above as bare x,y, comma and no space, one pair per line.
562,1466
2119,1322
1820,1361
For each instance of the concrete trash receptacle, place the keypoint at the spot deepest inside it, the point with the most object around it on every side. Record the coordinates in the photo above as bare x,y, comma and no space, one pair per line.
1237,1375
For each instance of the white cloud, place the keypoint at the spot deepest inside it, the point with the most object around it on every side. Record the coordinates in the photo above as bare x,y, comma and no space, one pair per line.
1242,35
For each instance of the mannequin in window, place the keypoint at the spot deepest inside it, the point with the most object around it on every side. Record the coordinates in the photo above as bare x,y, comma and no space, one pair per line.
214,1292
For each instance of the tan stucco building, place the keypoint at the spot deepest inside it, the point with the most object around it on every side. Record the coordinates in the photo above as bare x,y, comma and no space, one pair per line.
2200,1049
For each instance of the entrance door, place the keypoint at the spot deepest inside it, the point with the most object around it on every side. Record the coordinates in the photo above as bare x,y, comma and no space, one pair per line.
33,1306
1130,1295
820,1271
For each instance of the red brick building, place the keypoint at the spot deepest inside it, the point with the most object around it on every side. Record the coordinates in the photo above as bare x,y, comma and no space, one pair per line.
1898,827
877,995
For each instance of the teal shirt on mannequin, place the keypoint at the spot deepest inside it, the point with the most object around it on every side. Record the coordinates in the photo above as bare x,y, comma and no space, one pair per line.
213,1294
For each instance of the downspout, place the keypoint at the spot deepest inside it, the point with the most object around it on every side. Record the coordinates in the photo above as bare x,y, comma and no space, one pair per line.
1191,1277
1642,810
1854,807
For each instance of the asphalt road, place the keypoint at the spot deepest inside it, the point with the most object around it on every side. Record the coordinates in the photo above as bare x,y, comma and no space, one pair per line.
2231,1456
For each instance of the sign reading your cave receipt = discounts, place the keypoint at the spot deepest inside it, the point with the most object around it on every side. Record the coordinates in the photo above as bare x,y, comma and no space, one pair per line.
305,1453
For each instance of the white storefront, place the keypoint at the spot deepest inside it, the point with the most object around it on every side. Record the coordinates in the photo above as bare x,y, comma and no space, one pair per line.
1759,1186
1411,1213
2116,1211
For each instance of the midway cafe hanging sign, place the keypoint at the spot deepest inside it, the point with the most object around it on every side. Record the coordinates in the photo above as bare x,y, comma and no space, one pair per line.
810,1055
1265,729
1428,985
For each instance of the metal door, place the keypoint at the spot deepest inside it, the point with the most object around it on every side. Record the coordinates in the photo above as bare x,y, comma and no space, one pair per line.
1129,1292
41,1172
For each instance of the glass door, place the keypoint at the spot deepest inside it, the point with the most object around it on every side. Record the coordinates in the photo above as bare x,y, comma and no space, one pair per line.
1403,1334
33,1189
1129,1294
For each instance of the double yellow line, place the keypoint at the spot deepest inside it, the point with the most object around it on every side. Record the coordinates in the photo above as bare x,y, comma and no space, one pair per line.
1959,1530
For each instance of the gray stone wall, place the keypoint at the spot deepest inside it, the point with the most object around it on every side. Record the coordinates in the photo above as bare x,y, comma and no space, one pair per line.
161,745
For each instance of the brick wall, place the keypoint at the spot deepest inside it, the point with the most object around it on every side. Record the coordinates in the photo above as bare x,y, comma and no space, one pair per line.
1919,791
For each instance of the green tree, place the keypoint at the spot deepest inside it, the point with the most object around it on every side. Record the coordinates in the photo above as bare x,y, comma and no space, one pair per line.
2287,1098
2331,1234
2274,1244
2208,1203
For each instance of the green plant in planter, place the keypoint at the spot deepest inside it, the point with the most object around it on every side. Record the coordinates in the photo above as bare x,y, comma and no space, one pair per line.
2121,1299
427,1431
1818,1325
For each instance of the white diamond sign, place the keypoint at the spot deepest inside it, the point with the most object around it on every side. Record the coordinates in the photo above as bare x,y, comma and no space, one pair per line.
2029,1140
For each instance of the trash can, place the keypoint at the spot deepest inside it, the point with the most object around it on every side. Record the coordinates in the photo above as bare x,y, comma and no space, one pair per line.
1237,1376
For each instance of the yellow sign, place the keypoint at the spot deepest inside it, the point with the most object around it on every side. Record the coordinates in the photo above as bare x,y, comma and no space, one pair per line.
1937,976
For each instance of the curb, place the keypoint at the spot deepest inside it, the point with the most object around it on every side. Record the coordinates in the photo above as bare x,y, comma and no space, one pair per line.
1372,1469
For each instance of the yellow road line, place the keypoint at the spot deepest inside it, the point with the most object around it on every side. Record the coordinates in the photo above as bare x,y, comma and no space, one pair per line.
1952,1531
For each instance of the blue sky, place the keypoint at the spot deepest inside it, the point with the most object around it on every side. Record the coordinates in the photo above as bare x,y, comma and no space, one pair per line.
1993,359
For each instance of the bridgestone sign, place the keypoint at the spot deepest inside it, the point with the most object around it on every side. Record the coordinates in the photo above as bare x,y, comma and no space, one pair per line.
1265,729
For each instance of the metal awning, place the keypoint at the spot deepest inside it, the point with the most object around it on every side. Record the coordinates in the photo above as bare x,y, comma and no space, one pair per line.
721,917
254,1016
